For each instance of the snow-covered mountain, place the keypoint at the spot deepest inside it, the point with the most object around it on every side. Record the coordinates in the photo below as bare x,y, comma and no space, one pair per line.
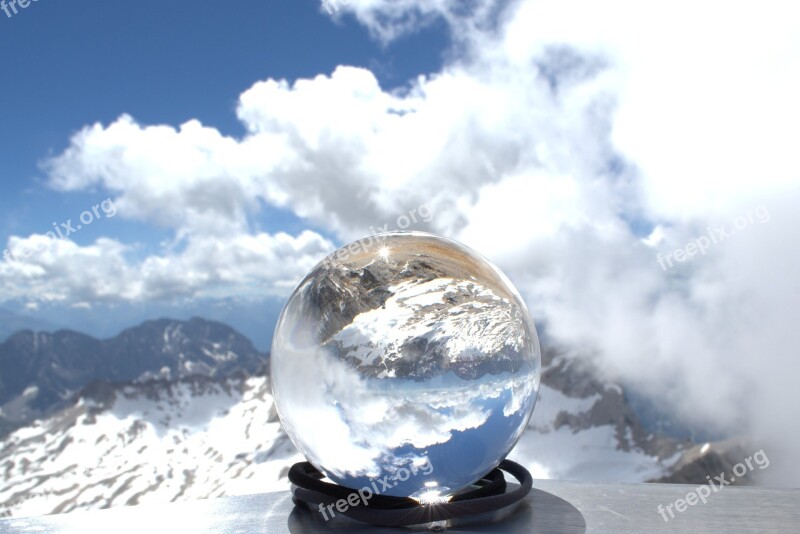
41,371
583,429
161,439
201,437
158,441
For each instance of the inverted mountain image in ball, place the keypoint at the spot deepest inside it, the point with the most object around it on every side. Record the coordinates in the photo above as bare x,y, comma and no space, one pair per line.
405,359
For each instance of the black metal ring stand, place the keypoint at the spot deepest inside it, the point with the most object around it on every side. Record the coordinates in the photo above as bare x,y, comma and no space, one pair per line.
386,511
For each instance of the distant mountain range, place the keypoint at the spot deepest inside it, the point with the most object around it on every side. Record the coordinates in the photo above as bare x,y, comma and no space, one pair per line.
255,318
41,371
174,410
11,322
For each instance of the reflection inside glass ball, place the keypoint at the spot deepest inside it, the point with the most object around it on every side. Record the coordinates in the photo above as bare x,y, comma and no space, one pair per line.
405,363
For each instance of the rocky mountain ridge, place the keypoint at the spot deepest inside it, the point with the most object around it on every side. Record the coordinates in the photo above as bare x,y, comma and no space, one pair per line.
165,438
41,371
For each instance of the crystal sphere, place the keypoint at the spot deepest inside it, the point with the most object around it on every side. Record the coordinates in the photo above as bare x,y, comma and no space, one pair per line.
405,363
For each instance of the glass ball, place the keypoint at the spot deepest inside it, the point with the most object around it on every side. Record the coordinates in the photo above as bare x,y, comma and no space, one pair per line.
405,363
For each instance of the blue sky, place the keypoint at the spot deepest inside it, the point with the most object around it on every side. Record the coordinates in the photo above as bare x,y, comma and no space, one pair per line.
73,64
67,65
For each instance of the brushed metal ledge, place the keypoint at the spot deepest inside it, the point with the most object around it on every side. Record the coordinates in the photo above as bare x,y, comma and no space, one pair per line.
553,506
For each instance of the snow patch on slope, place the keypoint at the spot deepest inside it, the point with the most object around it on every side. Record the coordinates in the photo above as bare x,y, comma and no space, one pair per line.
174,445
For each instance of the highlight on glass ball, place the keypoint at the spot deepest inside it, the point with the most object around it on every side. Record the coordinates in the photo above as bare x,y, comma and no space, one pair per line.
407,363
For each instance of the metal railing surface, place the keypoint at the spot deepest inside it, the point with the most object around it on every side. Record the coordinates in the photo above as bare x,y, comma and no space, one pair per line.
552,506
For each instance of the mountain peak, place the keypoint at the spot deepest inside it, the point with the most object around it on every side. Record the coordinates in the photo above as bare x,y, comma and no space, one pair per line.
62,363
